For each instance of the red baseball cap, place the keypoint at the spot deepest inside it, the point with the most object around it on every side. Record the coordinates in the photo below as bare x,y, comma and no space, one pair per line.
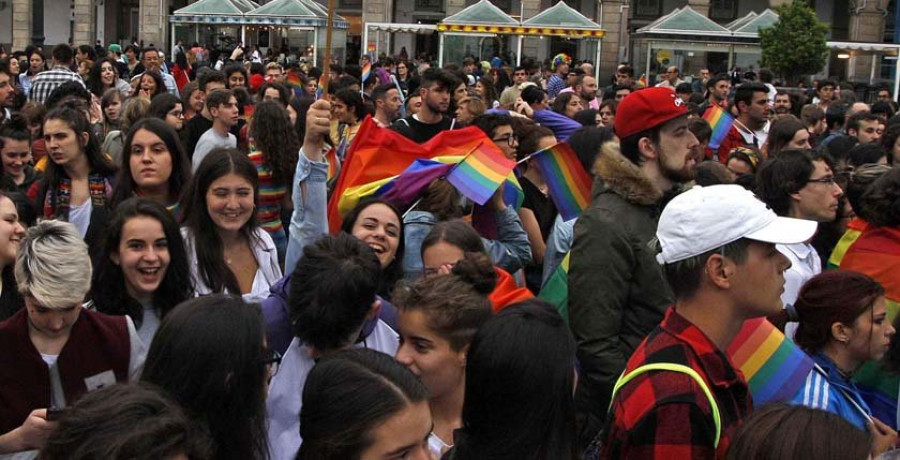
647,108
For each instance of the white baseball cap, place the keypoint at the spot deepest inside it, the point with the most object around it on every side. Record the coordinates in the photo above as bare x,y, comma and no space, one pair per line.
705,218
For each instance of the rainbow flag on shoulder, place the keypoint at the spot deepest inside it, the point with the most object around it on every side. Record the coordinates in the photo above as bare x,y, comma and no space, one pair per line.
775,367
366,72
720,121
481,173
567,181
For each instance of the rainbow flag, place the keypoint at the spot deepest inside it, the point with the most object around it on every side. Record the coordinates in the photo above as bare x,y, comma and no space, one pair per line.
294,82
720,121
320,87
876,252
334,165
567,181
854,229
480,173
366,72
775,368
513,195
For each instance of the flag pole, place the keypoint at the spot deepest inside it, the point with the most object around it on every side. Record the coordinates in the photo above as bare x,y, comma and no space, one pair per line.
326,66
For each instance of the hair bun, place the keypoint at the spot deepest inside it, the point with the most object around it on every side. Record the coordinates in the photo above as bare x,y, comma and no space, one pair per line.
477,270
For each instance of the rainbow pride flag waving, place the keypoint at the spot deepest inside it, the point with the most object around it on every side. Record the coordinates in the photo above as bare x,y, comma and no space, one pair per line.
775,367
481,173
567,181
720,121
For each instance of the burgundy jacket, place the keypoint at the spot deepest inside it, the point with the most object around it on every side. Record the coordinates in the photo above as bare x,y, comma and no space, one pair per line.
97,343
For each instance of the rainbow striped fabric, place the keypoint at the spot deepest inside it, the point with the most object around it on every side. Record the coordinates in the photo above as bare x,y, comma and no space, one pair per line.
366,72
320,87
294,82
556,289
775,367
268,208
854,229
480,173
720,121
567,181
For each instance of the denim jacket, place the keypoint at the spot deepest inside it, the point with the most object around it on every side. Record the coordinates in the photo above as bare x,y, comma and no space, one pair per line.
309,221
510,251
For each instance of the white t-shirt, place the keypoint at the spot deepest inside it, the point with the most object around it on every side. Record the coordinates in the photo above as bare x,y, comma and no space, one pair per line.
80,217
805,263
209,141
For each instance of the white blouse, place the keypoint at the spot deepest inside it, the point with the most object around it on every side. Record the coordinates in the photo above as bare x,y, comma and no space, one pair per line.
266,255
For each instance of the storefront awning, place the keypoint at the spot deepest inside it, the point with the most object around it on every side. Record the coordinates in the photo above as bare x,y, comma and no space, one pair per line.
891,49
293,13
401,28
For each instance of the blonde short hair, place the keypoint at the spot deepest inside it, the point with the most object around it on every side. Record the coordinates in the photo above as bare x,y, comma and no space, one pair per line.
53,265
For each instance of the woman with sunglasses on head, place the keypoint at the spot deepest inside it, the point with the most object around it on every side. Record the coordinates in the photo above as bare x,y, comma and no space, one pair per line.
77,184
220,384
142,268
153,165
228,250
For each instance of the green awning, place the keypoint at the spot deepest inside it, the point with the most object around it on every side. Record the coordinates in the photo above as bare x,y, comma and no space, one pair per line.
483,13
296,13
562,15
766,19
685,21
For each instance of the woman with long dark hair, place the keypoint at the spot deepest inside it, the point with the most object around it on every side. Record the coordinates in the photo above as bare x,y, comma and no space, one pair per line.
142,267
36,65
220,376
153,165
181,71
520,378
274,148
105,75
15,154
77,185
149,85
111,105
229,252
168,107
361,404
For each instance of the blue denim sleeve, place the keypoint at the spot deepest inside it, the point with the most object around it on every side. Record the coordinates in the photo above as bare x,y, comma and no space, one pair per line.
309,222
559,243
510,251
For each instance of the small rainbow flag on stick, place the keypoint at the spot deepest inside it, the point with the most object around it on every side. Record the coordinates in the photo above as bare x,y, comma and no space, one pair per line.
366,72
480,173
720,121
320,88
775,368
567,181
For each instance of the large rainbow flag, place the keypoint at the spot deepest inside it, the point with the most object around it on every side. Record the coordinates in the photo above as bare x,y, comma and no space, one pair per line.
854,229
481,173
567,181
720,121
876,252
377,155
775,367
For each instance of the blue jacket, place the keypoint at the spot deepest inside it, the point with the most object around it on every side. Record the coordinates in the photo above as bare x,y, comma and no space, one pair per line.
309,221
826,389
510,251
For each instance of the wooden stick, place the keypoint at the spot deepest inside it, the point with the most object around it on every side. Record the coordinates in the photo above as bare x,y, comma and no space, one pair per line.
326,70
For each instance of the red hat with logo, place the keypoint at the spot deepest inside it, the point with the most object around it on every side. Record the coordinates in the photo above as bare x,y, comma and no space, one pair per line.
647,108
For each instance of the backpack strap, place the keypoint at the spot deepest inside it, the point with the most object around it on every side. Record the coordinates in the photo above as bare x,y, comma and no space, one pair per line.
672,367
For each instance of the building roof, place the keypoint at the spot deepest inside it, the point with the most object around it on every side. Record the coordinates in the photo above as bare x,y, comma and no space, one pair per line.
217,7
562,15
481,13
751,26
685,21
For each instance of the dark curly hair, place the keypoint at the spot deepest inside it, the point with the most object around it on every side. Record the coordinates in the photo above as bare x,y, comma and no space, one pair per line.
160,83
881,201
276,138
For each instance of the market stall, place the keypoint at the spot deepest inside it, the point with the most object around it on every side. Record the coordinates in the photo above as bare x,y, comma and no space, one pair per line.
214,23
301,25
389,29
481,30
563,21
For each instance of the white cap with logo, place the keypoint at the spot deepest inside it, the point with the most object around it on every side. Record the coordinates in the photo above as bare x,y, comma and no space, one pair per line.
705,218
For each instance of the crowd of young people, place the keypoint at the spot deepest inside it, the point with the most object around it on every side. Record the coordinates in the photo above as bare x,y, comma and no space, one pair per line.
170,287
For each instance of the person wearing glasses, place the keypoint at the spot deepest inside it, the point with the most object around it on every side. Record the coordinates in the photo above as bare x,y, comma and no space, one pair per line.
799,184
221,384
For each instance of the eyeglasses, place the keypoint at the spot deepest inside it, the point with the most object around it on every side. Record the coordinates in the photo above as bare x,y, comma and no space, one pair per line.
510,140
273,360
827,180
176,113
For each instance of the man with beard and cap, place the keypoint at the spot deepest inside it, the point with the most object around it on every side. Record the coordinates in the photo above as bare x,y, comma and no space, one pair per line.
435,88
617,293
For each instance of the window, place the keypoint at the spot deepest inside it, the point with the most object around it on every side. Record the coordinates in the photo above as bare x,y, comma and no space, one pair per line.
723,10
434,6
651,8
350,4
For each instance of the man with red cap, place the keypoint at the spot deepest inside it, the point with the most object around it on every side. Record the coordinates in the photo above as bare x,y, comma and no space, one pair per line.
617,293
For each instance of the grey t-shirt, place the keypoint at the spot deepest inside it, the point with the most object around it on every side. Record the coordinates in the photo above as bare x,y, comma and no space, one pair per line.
208,141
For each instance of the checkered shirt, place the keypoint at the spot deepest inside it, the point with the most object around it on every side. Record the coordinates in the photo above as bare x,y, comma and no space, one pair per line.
45,82
665,414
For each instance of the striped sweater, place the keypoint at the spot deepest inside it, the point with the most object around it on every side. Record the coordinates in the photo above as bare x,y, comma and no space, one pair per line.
270,195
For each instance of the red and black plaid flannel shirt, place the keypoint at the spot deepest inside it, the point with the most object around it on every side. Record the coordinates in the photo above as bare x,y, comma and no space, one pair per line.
665,414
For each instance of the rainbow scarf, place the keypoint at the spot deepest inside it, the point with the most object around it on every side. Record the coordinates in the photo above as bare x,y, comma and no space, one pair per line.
58,201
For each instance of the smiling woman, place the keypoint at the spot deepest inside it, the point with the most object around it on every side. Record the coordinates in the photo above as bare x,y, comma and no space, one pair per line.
228,250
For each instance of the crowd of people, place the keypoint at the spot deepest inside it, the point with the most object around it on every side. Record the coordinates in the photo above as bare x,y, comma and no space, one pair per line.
171,288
